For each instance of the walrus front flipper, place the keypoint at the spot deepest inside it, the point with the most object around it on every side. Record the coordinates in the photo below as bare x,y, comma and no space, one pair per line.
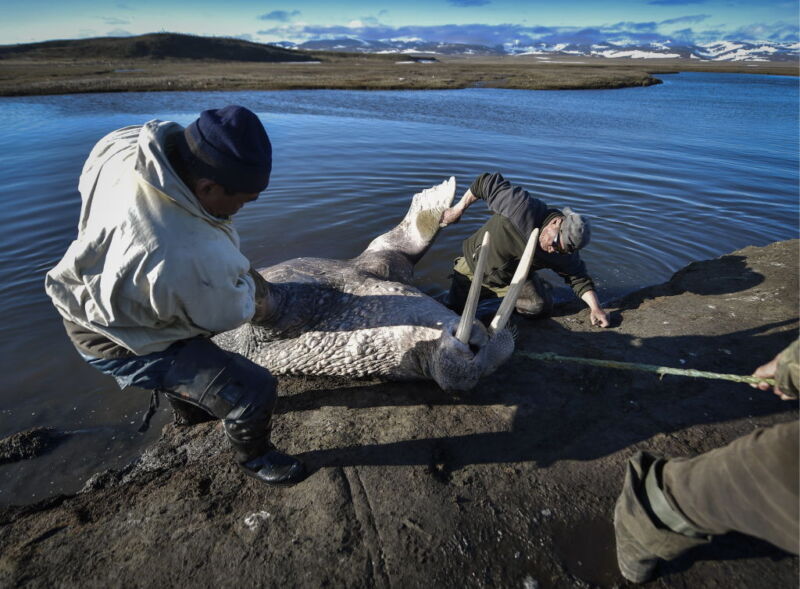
393,254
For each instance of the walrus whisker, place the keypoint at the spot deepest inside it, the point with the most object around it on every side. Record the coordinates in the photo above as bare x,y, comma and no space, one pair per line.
507,306
471,306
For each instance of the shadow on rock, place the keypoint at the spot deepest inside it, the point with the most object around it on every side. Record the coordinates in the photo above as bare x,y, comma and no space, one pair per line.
725,275
728,547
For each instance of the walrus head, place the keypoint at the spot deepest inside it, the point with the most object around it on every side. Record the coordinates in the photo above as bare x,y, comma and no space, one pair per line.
457,366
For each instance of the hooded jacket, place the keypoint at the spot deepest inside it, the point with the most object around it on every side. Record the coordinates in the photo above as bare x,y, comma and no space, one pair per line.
149,266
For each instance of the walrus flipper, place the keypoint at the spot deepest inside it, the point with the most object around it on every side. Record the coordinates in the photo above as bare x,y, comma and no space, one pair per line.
393,254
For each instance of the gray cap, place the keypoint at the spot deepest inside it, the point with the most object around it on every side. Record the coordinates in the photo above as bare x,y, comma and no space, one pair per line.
575,232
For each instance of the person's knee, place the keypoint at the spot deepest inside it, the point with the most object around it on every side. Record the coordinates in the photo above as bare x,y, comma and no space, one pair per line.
222,383
251,394
532,308
186,412
535,299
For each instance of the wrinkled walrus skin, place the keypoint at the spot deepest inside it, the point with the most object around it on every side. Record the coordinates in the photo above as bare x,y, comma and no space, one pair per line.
361,317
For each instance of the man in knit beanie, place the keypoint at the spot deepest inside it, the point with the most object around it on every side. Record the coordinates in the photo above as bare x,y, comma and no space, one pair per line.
155,270
515,215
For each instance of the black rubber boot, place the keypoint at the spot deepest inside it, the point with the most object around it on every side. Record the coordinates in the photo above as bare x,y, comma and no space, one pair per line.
186,413
258,458
242,394
275,468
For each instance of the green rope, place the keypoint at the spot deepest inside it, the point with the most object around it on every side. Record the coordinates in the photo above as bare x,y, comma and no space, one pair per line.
660,370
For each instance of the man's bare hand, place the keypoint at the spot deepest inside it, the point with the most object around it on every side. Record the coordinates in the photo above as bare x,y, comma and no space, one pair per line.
599,317
450,216
453,214
263,310
265,305
769,370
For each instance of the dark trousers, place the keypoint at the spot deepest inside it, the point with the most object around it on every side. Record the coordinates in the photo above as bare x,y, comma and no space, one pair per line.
200,378
749,486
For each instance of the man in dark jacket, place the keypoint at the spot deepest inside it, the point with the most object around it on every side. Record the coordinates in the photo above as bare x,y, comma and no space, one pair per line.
516,214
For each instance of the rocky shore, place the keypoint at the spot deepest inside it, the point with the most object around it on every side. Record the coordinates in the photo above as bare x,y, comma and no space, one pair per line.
510,485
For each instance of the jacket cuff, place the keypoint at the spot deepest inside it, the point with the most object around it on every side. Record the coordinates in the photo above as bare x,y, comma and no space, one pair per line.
582,288
787,373
476,188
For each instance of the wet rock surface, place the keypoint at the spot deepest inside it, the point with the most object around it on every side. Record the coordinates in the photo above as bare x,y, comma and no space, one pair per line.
511,485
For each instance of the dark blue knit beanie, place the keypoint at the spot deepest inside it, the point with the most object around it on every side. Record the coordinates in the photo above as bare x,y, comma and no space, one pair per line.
230,146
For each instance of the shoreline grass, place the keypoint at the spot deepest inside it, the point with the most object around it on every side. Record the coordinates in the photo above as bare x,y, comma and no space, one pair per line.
21,76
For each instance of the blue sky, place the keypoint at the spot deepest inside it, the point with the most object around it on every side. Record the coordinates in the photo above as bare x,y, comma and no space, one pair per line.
465,21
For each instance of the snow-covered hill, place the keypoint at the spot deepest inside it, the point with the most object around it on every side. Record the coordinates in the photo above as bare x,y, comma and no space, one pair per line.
719,51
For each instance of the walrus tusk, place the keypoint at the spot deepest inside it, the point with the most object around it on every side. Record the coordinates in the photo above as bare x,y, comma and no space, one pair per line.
507,306
468,314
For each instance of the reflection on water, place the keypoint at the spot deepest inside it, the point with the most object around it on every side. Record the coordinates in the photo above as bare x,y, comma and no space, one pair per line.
691,169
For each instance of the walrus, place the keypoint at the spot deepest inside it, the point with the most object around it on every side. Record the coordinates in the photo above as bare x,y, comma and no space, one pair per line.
362,317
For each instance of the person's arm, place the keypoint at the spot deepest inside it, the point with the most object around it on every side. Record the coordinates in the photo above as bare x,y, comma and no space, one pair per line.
785,368
597,314
453,214
573,270
266,301
502,198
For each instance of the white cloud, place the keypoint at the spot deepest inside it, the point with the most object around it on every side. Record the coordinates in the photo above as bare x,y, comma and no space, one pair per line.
280,15
369,28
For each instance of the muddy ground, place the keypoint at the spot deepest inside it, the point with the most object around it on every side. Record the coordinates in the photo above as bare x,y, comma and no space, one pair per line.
510,485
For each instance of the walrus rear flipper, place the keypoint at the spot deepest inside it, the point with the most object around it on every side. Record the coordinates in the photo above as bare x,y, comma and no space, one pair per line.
393,254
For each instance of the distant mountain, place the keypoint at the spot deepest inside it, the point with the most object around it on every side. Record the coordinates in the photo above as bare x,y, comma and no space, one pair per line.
728,51
155,46
178,46
352,44
720,51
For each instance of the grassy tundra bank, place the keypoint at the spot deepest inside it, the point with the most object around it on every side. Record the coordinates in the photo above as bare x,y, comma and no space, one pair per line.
181,62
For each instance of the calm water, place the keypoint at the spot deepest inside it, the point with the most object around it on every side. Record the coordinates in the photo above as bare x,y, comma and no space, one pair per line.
691,169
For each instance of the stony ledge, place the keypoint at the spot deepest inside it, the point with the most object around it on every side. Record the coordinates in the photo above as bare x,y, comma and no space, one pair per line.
511,485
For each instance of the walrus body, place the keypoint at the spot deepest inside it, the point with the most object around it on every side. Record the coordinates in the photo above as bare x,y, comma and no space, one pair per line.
362,317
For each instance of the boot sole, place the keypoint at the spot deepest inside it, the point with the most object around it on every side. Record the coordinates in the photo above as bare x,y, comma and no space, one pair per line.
288,482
